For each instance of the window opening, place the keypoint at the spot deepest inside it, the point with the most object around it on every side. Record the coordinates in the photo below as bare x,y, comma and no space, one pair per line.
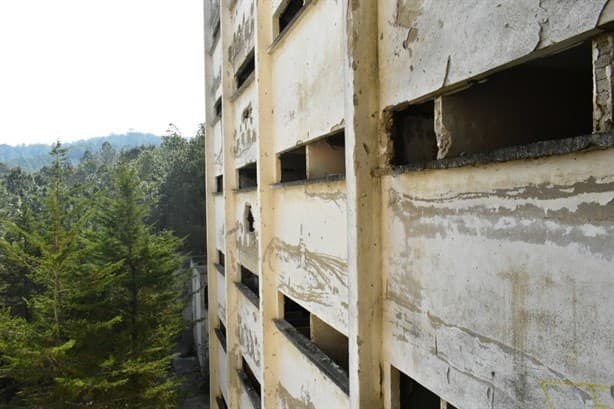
248,176
326,156
250,280
246,69
293,165
289,13
219,184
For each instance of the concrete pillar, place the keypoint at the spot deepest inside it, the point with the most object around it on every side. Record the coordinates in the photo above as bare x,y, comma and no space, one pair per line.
603,58
233,273
267,163
363,203
214,388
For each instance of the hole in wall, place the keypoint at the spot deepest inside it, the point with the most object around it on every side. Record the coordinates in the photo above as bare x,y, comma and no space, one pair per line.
218,108
413,134
248,218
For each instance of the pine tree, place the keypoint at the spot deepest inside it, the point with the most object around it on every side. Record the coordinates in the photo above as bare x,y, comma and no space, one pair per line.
50,353
146,296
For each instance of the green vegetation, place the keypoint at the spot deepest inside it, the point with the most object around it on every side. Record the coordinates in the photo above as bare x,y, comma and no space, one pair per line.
90,275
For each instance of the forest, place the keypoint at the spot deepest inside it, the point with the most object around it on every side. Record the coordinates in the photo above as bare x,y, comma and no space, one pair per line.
92,263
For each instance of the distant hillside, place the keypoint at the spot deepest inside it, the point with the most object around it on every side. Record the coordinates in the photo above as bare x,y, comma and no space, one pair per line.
34,157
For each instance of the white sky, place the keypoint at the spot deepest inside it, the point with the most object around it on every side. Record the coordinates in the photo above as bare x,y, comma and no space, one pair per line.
75,69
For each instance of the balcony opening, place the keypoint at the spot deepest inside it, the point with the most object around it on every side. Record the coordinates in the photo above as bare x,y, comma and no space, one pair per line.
251,281
248,218
410,394
250,381
293,165
289,13
219,184
248,176
413,134
330,341
220,332
218,108
246,69
221,402
297,316
326,156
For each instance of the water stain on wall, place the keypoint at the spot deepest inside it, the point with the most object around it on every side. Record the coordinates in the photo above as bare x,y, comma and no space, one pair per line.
326,274
287,401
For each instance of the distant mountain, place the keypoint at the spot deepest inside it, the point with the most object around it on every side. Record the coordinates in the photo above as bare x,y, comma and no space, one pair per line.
33,157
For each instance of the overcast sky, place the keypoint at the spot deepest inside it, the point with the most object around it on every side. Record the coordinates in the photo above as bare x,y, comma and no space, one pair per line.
73,69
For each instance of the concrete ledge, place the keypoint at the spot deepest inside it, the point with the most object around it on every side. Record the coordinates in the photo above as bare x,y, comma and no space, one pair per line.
251,392
530,151
315,355
249,294
300,182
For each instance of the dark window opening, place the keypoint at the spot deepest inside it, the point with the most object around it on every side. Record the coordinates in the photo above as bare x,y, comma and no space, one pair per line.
289,13
297,316
326,157
293,165
249,219
251,379
220,258
221,402
218,108
413,134
250,280
216,32
220,331
330,341
248,176
219,184
412,395
206,298
246,69
532,102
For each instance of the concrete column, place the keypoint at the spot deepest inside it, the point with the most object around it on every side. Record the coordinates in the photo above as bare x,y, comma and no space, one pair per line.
363,203
603,58
267,163
214,388
233,273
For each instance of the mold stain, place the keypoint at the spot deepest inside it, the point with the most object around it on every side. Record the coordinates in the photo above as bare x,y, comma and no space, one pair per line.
245,136
249,341
243,36
325,279
287,401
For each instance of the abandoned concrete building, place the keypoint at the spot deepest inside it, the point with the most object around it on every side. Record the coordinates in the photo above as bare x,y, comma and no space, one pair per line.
410,203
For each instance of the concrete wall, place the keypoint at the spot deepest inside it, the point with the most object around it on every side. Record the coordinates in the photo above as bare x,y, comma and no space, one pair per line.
302,385
311,268
307,82
482,269
498,280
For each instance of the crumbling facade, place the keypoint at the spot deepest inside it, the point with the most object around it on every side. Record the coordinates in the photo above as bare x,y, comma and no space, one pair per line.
410,203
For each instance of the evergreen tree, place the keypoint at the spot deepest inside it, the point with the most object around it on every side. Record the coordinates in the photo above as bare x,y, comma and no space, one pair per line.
49,352
146,296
